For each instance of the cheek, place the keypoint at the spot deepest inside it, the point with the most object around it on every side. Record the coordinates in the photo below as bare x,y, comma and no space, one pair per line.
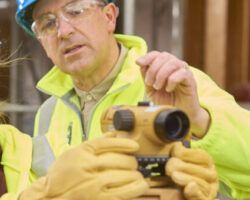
50,49
94,28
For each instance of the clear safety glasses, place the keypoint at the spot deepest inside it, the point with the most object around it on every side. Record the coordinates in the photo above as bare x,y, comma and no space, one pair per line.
73,12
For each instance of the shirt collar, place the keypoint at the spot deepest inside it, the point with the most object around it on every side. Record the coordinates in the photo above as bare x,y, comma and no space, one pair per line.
100,90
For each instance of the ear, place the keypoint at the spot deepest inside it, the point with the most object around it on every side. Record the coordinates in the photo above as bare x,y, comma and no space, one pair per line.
111,12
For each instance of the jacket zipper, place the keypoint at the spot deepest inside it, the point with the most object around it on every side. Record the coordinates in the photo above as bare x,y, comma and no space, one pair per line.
101,100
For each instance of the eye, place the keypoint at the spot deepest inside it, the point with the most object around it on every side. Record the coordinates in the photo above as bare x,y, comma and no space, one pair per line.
49,24
75,12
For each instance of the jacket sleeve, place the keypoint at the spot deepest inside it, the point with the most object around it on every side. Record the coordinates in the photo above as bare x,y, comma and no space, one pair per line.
228,137
16,159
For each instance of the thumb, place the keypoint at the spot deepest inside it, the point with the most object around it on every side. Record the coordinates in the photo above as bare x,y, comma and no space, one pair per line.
109,134
36,191
192,191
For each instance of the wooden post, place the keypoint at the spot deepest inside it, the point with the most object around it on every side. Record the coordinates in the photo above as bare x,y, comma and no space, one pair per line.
194,29
215,40
238,43
245,41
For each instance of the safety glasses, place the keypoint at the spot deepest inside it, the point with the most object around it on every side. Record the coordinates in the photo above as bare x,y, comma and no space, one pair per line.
73,12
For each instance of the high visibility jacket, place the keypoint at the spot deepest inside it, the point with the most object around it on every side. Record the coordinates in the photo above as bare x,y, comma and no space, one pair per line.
16,160
58,123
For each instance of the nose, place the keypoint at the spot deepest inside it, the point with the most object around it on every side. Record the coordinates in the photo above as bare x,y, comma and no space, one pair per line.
65,28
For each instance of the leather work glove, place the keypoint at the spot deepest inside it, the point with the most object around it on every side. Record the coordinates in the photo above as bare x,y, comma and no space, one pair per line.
194,170
101,169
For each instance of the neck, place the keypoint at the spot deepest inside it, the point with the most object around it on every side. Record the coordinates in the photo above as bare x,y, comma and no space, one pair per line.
86,82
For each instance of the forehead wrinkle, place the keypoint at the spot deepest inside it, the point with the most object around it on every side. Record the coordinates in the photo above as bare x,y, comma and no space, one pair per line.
48,6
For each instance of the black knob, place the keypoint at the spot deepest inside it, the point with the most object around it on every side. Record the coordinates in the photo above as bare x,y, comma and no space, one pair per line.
124,120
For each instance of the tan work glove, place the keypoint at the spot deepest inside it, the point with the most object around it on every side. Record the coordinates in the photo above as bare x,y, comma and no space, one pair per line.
193,169
101,169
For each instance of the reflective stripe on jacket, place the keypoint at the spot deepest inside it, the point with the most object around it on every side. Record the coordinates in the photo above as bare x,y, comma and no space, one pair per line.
58,123
16,160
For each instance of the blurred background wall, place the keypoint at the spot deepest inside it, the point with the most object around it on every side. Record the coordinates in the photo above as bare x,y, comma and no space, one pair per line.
211,35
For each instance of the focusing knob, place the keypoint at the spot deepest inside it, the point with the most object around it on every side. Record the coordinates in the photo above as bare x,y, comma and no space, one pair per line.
124,120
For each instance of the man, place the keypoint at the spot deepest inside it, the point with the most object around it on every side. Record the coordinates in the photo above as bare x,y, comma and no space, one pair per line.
95,69
15,161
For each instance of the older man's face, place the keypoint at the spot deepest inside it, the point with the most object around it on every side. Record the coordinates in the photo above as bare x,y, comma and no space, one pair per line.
75,34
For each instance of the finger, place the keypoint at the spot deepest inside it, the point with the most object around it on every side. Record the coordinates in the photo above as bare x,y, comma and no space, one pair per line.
181,76
214,190
110,179
175,164
196,156
193,192
155,66
115,161
109,135
147,59
164,73
102,145
132,190
113,184
122,184
143,71
183,180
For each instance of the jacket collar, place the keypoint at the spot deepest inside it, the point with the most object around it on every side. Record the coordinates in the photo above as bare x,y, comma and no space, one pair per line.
57,83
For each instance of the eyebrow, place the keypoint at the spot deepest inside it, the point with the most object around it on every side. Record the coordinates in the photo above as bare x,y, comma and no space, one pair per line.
70,2
43,14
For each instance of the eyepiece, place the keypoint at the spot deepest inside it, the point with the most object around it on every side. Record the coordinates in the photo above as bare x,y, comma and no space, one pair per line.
171,125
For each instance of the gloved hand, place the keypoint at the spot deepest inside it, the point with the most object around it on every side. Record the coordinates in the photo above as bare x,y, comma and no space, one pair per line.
193,169
101,169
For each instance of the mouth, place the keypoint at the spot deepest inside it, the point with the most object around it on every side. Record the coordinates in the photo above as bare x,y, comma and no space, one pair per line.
73,49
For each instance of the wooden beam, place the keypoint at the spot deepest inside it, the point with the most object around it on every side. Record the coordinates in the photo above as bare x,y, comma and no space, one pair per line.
4,53
245,41
215,40
238,43
194,30
144,21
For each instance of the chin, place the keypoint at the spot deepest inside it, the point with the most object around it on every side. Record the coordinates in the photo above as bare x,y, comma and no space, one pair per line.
77,68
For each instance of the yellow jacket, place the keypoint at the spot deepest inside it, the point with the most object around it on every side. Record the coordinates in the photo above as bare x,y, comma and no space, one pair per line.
58,123
16,160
